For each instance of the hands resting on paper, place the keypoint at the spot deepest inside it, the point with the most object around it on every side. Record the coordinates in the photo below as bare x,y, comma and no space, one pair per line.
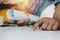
44,23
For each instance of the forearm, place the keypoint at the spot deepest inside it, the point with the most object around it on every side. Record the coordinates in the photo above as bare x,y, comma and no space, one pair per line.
57,13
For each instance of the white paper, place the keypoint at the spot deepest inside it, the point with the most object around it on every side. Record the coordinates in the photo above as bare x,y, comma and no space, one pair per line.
48,12
33,18
19,15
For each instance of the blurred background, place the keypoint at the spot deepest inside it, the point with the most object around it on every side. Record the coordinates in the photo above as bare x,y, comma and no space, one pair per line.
44,4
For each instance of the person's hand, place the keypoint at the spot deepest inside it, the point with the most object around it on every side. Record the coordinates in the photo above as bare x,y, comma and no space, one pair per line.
46,24
23,22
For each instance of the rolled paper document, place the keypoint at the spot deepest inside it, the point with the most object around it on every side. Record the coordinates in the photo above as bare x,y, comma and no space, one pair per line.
33,18
19,15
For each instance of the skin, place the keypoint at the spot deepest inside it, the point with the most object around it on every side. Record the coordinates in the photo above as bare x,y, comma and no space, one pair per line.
57,13
46,24
23,22
49,23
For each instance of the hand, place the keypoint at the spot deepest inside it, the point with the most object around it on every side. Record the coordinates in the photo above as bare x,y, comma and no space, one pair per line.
47,24
23,22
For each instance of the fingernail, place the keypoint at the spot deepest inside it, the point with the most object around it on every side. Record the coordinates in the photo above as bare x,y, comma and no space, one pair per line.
32,30
54,28
49,29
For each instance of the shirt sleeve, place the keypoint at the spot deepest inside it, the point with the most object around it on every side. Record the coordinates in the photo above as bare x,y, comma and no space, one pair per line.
57,2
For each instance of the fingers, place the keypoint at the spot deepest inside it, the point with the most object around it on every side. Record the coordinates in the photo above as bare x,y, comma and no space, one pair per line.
36,25
20,22
51,24
45,24
26,21
23,22
55,27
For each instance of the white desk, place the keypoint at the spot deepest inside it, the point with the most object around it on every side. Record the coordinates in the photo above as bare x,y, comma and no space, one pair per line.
23,33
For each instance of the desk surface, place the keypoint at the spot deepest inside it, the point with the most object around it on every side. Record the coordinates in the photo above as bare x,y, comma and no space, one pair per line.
23,33
18,28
